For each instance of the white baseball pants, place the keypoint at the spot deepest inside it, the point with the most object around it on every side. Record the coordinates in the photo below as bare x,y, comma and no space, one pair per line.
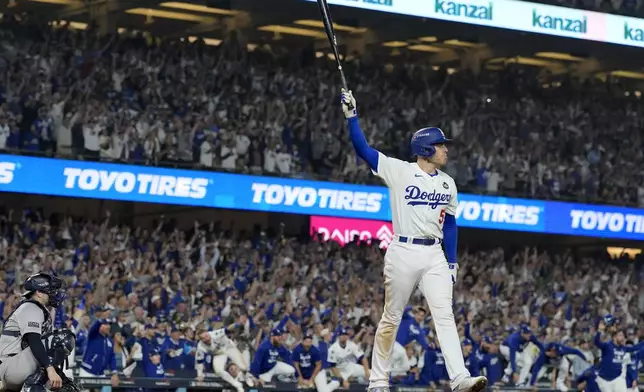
219,365
352,370
321,384
524,360
409,266
616,385
279,369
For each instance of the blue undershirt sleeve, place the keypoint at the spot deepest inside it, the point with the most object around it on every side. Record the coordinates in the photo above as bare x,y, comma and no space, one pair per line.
450,237
361,146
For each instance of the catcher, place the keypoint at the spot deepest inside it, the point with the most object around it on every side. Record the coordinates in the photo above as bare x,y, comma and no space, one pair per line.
32,354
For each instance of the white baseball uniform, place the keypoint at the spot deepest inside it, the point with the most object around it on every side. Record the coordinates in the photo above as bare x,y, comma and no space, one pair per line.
346,359
222,348
419,203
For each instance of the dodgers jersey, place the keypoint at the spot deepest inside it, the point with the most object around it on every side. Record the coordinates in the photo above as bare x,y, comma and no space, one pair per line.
341,356
419,201
219,342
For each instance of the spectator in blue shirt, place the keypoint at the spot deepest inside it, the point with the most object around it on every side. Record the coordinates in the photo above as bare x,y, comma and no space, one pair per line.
307,362
490,361
172,351
266,363
471,358
613,357
99,355
152,366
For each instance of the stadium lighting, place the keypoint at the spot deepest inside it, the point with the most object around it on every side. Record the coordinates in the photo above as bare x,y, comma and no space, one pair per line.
558,56
62,2
318,24
198,8
628,74
395,44
207,41
293,31
426,48
149,12
464,44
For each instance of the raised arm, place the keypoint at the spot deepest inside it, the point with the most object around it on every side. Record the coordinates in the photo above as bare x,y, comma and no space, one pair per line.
364,151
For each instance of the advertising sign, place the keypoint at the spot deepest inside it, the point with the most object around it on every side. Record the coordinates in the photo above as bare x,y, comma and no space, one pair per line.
133,183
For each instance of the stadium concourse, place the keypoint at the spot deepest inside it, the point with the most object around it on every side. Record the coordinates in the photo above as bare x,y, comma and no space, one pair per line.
269,111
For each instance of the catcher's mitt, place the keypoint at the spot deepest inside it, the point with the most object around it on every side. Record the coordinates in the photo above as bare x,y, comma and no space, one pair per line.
68,384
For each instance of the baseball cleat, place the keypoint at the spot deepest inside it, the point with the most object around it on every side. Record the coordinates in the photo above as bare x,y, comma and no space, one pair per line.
472,384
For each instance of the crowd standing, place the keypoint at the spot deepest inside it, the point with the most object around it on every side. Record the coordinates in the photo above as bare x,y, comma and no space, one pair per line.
136,99
256,308
259,307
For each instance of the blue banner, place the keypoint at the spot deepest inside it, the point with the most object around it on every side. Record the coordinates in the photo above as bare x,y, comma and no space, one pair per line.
95,180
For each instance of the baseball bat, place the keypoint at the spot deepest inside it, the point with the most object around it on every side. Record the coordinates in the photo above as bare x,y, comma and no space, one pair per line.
330,33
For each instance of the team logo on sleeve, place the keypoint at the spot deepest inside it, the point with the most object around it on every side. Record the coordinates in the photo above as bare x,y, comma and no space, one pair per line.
432,199
33,324
445,185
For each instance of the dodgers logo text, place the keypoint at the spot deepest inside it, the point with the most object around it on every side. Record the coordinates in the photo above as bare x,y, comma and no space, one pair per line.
433,199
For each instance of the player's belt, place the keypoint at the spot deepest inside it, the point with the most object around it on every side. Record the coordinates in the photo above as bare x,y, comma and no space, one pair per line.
419,241
15,334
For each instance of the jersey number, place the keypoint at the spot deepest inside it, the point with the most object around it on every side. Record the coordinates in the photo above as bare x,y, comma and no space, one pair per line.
441,218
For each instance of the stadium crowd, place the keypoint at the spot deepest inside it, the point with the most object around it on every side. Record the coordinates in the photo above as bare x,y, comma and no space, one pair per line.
164,300
156,292
135,99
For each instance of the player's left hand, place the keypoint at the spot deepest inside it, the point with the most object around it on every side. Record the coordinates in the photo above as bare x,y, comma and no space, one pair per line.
348,104
453,269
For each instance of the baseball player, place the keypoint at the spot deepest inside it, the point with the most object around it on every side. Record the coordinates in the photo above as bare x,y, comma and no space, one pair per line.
307,362
517,343
22,350
221,347
554,354
343,358
633,368
423,205
611,375
60,345
320,380
266,363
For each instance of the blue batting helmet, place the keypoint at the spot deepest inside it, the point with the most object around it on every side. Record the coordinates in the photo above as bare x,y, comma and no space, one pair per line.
424,140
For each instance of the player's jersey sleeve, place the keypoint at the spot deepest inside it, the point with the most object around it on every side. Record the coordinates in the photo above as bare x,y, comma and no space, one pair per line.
30,319
390,169
453,201
356,351
332,358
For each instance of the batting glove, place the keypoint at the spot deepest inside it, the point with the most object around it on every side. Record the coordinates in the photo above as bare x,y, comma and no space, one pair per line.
453,269
348,104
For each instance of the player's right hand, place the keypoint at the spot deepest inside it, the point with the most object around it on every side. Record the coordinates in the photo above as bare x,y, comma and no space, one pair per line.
453,270
348,104
54,379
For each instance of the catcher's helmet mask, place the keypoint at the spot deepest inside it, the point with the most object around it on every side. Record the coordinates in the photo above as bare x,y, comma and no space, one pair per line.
48,284
423,141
